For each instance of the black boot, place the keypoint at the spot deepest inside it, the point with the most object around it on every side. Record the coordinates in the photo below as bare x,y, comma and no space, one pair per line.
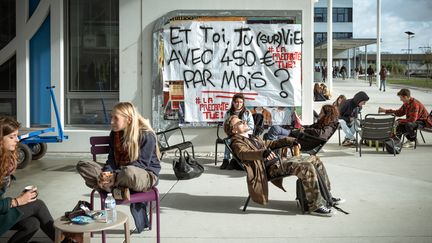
224,165
233,165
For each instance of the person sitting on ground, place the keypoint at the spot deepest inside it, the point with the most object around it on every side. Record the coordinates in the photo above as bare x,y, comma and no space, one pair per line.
318,93
23,213
348,113
416,114
325,91
237,108
134,157
254,152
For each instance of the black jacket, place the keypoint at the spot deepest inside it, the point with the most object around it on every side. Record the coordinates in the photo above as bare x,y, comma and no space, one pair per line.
350,108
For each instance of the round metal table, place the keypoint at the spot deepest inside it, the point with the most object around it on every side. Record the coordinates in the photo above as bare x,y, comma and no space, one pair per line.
66,226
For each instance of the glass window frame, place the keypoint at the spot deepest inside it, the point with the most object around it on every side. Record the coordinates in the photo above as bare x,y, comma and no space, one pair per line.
91,94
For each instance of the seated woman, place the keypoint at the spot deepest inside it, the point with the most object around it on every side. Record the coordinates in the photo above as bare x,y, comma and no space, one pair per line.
23,213
325,126
318,93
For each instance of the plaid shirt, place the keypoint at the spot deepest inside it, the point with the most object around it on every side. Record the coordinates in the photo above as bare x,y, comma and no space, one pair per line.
414,110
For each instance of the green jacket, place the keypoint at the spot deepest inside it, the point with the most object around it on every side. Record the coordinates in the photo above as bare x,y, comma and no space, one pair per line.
8,216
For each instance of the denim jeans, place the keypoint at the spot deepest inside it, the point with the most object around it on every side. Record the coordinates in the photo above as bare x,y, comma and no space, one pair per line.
227,153
277,132
348,130
382,85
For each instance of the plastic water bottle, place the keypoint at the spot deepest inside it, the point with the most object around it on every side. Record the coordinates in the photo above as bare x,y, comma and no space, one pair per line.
110,208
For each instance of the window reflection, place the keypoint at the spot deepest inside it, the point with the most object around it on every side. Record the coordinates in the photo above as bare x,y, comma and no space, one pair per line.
93,60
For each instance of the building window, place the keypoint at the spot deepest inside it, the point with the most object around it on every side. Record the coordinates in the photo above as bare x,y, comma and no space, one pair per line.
8,88
320,37
342,35
320,15
93,61
342,14
7,22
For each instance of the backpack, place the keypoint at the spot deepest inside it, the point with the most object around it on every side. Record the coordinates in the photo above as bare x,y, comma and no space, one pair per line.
301,195
396,149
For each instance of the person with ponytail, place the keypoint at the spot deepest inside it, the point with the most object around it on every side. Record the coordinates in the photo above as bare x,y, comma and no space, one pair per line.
24,213
134,158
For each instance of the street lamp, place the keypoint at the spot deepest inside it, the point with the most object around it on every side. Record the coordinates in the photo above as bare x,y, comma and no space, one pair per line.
410,35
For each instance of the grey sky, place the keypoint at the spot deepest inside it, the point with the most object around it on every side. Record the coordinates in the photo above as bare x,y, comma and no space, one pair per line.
397,17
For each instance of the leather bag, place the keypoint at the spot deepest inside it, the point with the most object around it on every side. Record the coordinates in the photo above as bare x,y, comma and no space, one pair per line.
186,167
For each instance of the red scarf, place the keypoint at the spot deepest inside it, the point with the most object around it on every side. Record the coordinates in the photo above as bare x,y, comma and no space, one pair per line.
121,155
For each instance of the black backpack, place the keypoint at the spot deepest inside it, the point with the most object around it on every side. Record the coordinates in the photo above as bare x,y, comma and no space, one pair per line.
301,195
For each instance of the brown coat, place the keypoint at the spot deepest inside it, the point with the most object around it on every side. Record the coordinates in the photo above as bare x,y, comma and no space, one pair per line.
252,158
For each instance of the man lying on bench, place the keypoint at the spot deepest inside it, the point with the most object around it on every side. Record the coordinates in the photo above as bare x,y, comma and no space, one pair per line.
252,151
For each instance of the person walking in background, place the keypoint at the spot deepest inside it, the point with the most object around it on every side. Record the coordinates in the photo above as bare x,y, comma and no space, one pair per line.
343,72
24,213
370,73
383,78
415,114
348,113
237,108
324,73
356,73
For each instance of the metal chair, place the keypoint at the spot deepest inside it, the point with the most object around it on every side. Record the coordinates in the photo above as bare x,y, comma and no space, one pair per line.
422,129
377,127
101,145
165,146
269,178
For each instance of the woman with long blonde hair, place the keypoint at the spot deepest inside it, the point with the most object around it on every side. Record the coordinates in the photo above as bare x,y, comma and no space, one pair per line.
24,213
134,158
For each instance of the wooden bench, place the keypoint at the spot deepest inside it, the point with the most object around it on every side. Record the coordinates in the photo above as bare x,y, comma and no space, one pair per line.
101,145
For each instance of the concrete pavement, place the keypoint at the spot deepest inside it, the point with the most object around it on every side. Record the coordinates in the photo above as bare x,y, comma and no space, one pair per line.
389,198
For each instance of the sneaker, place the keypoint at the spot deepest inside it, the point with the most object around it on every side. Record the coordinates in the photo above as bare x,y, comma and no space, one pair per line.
224,165
323,211
408,144
121,193
338,200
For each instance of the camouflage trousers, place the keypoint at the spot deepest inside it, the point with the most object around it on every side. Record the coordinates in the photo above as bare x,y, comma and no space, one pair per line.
304,169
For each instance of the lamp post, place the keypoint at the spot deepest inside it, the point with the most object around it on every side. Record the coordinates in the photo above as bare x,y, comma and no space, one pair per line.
410,35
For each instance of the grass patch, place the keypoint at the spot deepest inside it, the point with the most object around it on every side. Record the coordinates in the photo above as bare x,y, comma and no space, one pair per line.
412,82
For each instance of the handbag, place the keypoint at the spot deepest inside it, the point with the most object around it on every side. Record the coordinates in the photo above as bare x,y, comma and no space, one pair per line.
185,167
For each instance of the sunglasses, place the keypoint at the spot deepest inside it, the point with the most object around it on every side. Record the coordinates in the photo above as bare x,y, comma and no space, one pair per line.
238,124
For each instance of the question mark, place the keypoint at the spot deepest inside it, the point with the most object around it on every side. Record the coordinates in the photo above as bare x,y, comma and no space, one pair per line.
283,93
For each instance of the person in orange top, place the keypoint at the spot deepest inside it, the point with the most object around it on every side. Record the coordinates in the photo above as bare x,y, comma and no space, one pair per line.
416,114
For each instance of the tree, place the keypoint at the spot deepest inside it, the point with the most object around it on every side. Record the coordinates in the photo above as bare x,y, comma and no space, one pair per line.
428,59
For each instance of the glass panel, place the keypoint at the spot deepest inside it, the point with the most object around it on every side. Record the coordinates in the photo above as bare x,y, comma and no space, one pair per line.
8,88
93,54
90,111
7,22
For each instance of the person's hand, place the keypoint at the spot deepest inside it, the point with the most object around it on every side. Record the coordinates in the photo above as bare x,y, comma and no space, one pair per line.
27,197
296,144
380,109
271,156
106,180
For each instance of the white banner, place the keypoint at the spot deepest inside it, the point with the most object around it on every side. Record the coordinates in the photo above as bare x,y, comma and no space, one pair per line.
217,59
